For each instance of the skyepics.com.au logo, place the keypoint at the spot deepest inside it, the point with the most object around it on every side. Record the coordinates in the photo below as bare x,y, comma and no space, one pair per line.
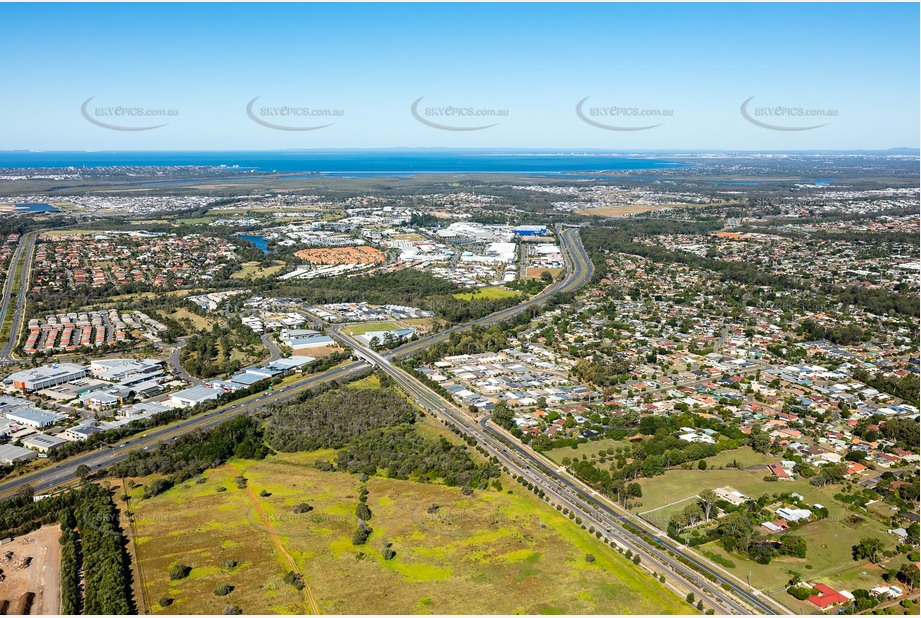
125,117
446,521
621,118
456,118
785,117
291,117
300,524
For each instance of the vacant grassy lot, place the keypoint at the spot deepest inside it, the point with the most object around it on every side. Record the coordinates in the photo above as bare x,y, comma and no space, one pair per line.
201,323
589,449
252,270
829,541
367,327
488,292
491,552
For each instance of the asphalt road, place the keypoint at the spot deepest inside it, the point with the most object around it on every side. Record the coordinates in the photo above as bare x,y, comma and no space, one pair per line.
62,473
24,252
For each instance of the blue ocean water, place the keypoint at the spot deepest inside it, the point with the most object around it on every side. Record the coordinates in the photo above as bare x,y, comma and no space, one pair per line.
352,162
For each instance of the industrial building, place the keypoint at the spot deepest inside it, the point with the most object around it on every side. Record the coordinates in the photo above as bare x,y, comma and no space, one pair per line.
530,230
33,417
43,442
46,376
191,397
118,369
10,454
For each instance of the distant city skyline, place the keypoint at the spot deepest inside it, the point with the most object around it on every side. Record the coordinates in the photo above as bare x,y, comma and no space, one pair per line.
619,77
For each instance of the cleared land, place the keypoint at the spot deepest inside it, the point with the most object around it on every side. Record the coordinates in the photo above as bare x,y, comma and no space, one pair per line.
41,551
489,292
534,272
342,255
492,552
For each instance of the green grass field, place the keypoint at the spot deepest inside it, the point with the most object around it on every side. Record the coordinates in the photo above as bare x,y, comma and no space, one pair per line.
590,449
491,552
490,292
252,270
367,327
829,541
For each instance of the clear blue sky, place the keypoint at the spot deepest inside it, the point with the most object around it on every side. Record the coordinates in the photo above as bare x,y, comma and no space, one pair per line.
536,60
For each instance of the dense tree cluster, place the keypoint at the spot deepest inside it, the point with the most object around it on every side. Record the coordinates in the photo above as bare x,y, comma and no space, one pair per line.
841,334
332,419
404,454
474,340
194,453
606,373
209,354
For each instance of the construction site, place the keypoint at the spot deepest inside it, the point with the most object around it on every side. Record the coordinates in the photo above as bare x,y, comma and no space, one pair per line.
30,573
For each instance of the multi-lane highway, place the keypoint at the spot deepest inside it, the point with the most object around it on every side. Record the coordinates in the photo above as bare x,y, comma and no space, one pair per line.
579,498
22,255
59,474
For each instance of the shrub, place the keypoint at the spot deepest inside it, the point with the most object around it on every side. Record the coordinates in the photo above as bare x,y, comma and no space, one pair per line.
589,558
303,507
223,590
166,602
801,592
294,579
360,537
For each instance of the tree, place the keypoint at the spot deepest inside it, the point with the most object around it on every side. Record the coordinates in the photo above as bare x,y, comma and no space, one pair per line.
26,492
792,546
707,500
82,472
692,514
868,549
179,571
759,441
362,512
702,464
908,574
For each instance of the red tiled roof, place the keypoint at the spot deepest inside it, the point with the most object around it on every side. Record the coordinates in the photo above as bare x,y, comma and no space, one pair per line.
828,597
